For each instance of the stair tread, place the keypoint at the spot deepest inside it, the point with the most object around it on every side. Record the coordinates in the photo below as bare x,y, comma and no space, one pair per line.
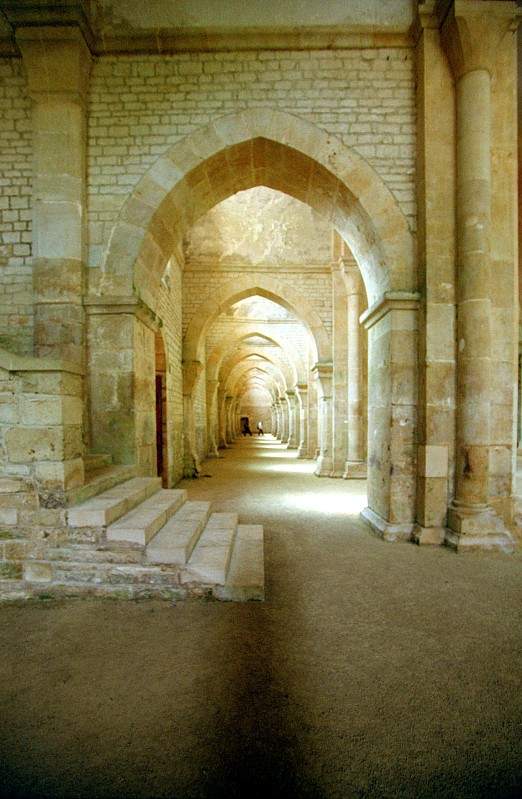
176,539
109,505
211,556
144,521
247,565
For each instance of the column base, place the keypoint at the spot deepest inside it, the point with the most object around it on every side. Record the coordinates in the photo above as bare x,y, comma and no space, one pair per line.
291,445
338,473
213,454
386,530
302,451
355,470
468,531
433,536
324,466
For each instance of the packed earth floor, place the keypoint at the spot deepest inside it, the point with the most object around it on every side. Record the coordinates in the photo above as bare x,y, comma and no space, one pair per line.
371,670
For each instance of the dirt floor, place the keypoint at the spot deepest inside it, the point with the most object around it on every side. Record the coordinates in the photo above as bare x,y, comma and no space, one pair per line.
372,670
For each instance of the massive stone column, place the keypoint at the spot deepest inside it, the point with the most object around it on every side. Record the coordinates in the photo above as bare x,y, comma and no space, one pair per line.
192,371
339,356
293,420
436,267
285,421
229,433
355,465
472,40
392,323
223,444
58,63
324,378
302,395
273,420
212,418
313,418
122,398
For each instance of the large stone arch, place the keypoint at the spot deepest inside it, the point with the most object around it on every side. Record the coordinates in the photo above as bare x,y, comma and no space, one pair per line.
246,149
265,286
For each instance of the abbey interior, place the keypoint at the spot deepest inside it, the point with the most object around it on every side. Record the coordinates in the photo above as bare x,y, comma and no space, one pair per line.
247,236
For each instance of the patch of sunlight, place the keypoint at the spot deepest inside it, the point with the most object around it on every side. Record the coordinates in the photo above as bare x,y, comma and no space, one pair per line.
290,468
330,503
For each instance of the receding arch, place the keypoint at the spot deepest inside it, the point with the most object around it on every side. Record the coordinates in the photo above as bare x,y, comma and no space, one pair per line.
220,351
250,285
246,149
243,356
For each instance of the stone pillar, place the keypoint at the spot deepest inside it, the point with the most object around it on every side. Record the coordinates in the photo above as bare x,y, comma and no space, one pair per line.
273,425
229,433
236,415
192,371
121,377
340,359
324,466
302,395
293,420
212,418
279,415
355,465
57,62
313,418
284,420
223,444
436,185
472,40
392,323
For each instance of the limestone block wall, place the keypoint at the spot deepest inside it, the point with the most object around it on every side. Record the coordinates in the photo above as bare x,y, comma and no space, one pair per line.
16,290
315,284
140,105
41,445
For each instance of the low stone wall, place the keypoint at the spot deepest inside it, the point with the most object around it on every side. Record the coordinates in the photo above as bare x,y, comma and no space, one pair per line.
41,446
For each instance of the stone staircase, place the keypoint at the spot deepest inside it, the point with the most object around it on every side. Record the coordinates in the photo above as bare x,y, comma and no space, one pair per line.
135,540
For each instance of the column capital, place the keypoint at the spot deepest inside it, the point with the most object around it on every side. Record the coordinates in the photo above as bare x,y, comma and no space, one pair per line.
390,301
472,32
57,61
351,275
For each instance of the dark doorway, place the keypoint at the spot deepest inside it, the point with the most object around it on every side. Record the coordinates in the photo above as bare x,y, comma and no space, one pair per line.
161,413
159,424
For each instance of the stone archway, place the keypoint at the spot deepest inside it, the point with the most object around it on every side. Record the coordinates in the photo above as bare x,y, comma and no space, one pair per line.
284,152
268,287
251,148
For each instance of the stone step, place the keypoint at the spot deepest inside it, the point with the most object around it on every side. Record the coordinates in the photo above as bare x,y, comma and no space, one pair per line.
210,559
87,553
246,574
110,505
99,480
16,590
78,572
96,461
142,523
176,539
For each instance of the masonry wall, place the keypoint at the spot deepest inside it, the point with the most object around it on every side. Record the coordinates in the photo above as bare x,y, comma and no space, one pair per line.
16,290
139,106
315,285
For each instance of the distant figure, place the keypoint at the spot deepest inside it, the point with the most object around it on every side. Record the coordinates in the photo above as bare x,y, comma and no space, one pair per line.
260,431
246,428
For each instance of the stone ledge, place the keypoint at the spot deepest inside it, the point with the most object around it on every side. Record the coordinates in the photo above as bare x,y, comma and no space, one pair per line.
390,301
27,363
